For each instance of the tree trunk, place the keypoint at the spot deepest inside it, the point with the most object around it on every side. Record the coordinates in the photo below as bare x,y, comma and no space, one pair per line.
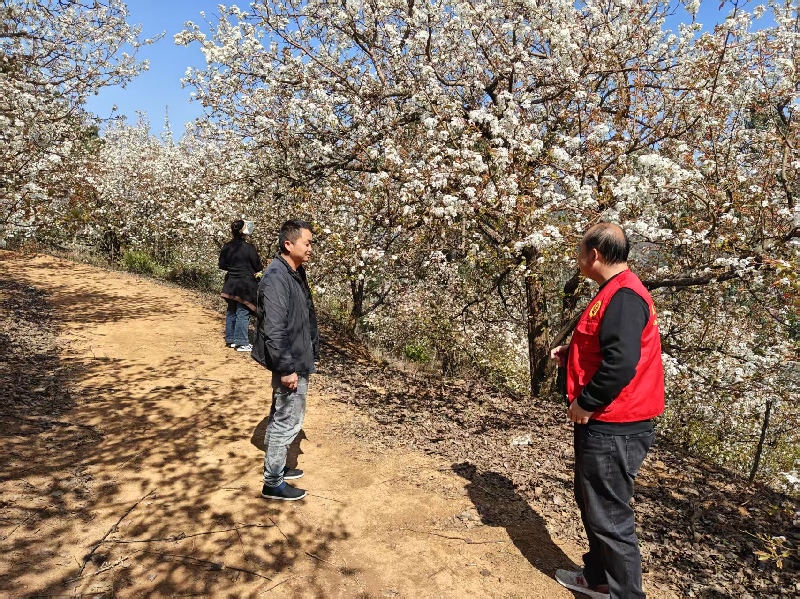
760,446
357,293
570,300
536,313
568,321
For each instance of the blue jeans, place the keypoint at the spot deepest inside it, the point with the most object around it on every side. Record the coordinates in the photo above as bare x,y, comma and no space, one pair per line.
285,421
605,467
237,322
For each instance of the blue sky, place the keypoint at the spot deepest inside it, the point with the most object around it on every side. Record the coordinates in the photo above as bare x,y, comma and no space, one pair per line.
160,86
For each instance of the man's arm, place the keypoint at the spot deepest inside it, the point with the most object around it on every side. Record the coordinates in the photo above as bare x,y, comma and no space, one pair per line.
621,345
275,309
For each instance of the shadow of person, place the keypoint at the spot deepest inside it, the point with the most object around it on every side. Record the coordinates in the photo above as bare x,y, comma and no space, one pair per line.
292,453
257,439
498,504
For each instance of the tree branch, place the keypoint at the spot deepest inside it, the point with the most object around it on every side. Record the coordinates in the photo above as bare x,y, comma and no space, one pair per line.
651,284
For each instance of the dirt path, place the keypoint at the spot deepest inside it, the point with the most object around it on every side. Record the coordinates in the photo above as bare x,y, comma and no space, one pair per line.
152,472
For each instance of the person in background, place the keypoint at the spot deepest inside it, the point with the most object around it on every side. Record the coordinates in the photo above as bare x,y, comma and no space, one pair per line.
241,261
615,387
287,343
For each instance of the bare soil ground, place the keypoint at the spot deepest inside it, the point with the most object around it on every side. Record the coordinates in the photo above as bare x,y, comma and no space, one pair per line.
131,467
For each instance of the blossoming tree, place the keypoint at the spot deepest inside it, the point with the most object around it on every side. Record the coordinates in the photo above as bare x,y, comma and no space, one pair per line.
53,55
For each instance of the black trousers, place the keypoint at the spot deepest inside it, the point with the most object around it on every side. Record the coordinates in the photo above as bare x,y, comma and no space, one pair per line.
605,467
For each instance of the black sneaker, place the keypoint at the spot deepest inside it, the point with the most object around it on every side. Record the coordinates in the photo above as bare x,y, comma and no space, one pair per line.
292,473
284,492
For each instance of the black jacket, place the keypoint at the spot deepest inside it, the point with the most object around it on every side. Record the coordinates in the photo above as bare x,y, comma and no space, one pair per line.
241,261
287,337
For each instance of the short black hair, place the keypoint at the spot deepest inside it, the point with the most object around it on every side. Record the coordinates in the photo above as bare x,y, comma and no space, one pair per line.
291,231
236,229
610,241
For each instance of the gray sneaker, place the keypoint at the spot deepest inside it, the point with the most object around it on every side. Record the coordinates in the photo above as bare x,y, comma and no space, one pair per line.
247,347
283,492
575,581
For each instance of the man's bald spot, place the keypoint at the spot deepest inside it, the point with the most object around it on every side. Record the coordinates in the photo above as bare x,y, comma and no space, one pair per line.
610,241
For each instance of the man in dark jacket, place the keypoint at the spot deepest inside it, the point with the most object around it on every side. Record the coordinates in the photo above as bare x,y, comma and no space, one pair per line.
287,342
615,386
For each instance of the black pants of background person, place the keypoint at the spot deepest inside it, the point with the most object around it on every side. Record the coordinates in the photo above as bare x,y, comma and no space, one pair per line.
605,468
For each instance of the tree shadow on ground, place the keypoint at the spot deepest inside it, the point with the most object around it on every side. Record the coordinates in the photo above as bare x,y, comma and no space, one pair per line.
122,474
498,504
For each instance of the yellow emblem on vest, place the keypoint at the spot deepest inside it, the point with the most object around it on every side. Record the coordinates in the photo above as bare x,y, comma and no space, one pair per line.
655,317
595,309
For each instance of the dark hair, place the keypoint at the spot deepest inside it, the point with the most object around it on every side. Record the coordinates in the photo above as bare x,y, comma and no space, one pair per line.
291,231
609,240
236,229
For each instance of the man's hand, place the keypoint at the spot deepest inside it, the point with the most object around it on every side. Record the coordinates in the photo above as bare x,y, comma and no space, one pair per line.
577,414
289,381
559,354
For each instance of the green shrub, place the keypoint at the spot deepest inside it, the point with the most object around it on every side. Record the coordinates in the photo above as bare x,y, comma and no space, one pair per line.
417,353
138,262
195,277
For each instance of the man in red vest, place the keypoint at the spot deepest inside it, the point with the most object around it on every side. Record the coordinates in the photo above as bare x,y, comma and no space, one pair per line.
615,387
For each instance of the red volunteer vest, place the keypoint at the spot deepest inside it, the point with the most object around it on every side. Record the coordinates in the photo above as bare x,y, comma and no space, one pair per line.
643,397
